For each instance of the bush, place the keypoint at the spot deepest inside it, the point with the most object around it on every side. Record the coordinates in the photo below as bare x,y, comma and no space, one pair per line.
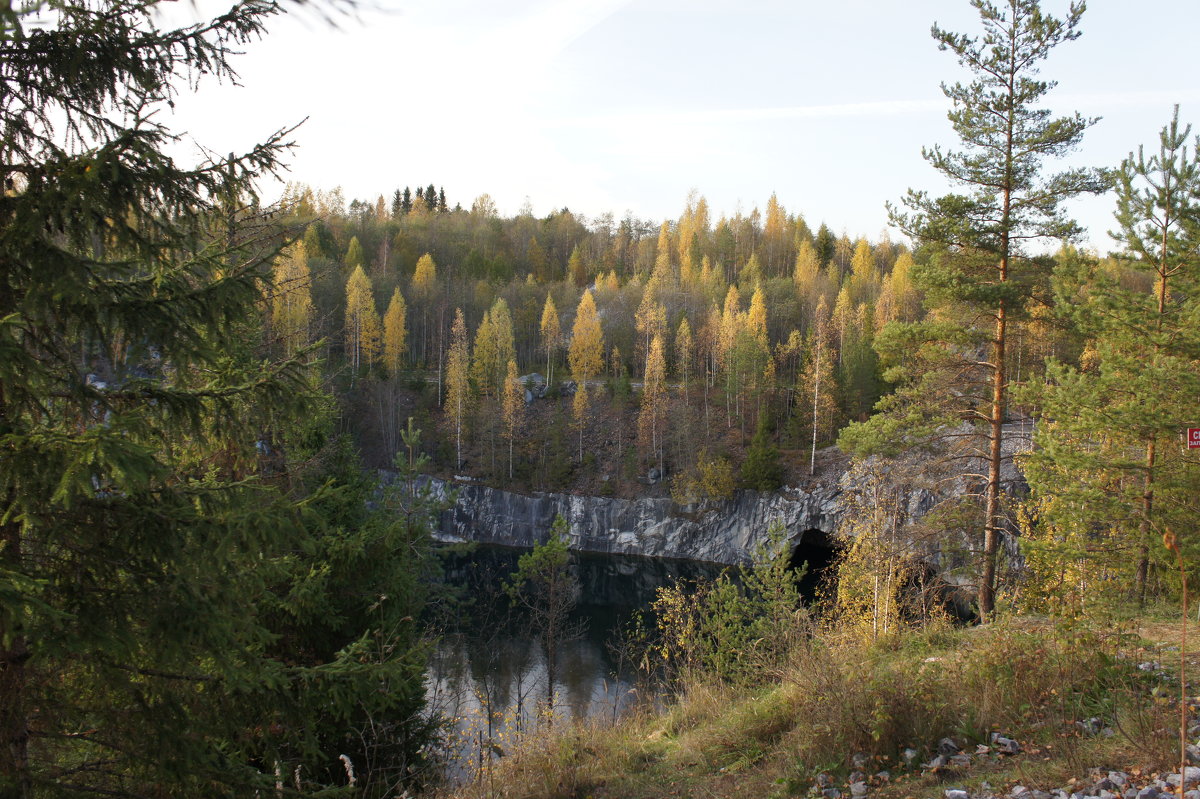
710,478
737,628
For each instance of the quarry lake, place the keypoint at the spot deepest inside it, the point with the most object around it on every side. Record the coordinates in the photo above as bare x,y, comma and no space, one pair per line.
487,671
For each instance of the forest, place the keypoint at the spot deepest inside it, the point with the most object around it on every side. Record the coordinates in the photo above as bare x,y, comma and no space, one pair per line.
206,589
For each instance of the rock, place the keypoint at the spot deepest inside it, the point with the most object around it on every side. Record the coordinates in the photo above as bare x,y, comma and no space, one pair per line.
956,793
1104,793
1149,792
568,388
859,760
1192,794
1193,753
858,790
938,762
883,776
856,776
1119,778
1021,792
909,756
1191,775
1150,665
831,793
1006,746
960,760
726,532
654,475
947,747
824,780
534,384
1091,726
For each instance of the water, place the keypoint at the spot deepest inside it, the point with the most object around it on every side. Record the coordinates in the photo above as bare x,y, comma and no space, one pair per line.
487,673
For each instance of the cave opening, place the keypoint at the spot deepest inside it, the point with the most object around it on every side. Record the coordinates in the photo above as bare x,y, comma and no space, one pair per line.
819,551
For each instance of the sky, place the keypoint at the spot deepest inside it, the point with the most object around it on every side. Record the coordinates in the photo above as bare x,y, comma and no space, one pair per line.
625,106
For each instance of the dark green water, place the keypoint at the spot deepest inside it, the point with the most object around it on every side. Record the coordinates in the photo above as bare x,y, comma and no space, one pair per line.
487,672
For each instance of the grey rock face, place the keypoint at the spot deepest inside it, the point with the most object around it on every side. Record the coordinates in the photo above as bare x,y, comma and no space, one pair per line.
726,532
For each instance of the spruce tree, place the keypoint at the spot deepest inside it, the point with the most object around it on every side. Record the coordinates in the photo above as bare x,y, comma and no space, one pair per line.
977,242
762,470
141,542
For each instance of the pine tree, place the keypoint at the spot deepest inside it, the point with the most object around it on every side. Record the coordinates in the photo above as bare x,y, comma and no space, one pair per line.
1106,474
976,239
363,330
395,333
545,586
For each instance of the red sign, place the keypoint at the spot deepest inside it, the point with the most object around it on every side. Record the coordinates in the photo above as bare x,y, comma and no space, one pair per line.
1193,438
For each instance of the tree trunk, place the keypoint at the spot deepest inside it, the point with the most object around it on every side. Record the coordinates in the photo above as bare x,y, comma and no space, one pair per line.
15,778
991,534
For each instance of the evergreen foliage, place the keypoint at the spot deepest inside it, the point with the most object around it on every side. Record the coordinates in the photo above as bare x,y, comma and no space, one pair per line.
979,265
1108,476
762,469
170,622
544,585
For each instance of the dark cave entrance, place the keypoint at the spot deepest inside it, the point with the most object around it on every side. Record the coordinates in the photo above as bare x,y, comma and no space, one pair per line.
819,551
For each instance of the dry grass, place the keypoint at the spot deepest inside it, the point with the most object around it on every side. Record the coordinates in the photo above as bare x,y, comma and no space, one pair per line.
837,697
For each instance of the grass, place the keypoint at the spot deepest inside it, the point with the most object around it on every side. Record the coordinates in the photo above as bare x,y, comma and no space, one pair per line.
1031,679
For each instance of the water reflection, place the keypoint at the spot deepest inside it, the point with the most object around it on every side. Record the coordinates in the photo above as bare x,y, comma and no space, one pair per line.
487,672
